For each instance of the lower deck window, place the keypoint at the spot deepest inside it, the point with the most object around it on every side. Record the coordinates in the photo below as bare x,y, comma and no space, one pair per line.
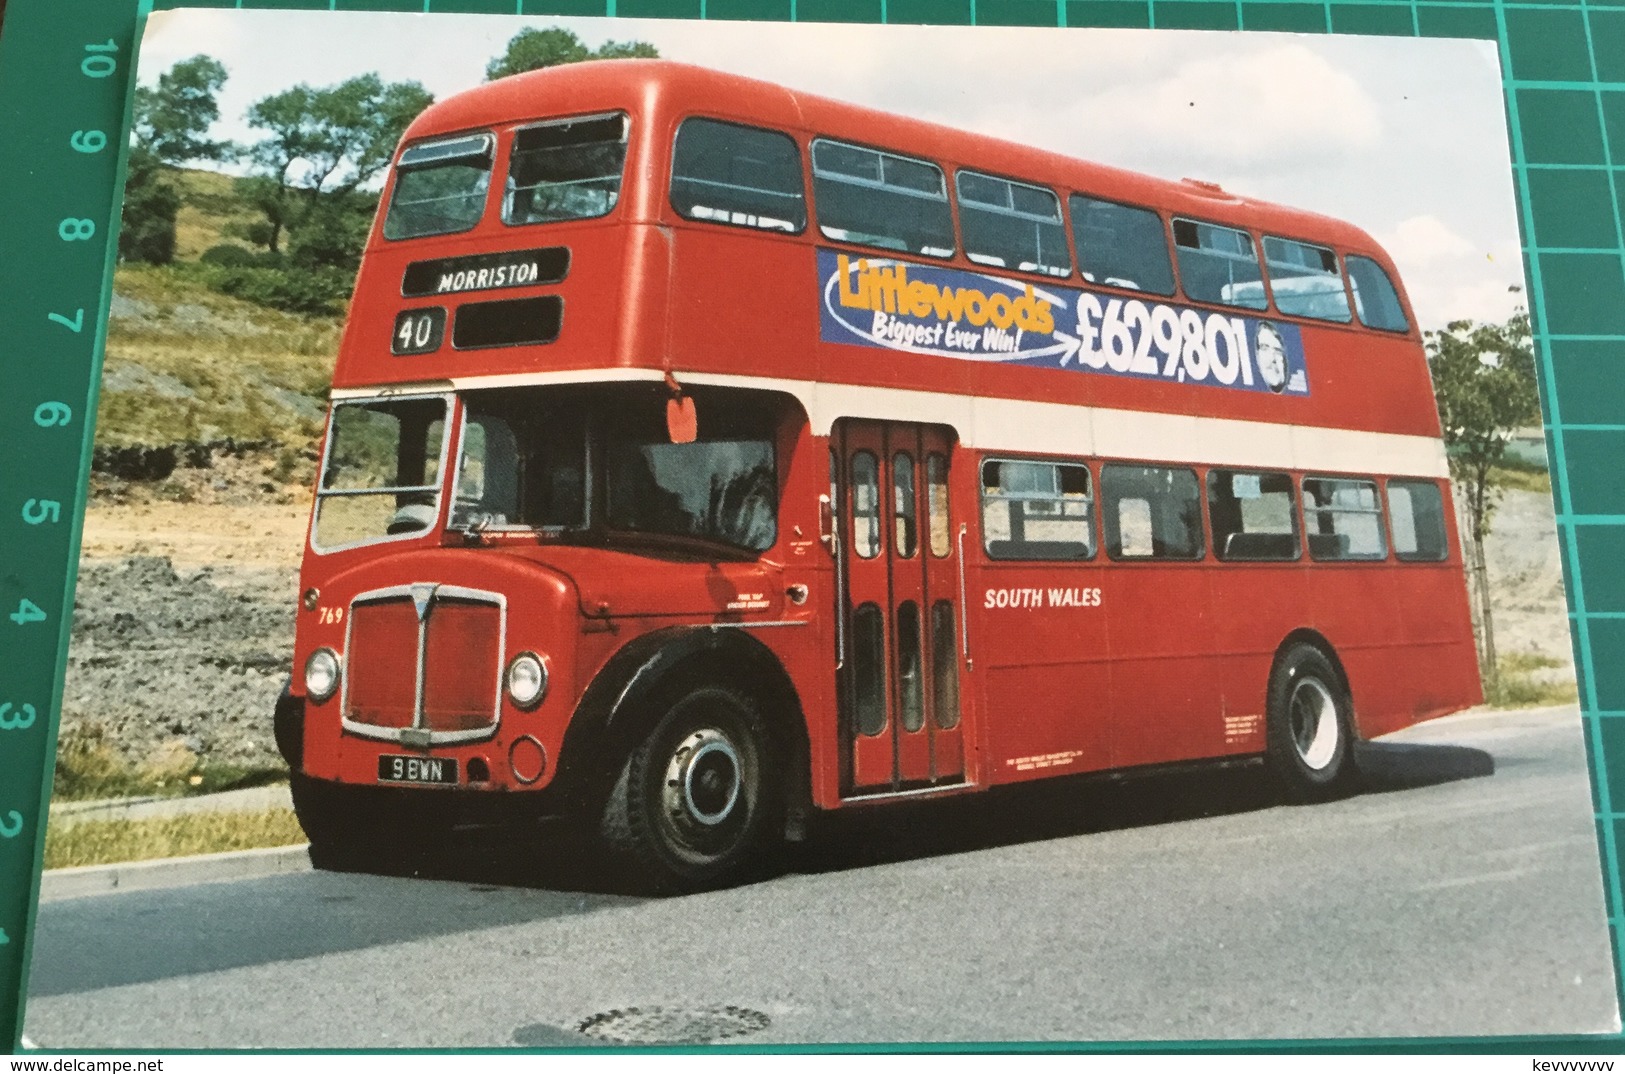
594,462
524,463
1343,519
1151,512
381,477
1036,510
721,489
1253,515
1416,513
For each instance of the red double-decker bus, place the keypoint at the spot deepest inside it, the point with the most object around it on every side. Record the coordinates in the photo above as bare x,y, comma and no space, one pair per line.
704,454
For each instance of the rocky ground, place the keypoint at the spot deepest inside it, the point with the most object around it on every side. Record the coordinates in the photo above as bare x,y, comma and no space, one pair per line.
183,620
183,626
1526,579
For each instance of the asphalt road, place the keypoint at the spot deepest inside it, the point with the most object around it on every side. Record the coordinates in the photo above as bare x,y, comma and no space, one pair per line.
1460,895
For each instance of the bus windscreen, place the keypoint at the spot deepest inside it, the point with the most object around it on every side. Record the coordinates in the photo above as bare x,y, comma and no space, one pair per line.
381,478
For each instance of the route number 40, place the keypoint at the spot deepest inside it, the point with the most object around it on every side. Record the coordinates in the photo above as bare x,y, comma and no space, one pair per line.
27,612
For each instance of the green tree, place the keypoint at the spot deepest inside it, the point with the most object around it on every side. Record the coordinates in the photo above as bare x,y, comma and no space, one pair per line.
532,50
150,208
170,124
1484,380
172,119
323,145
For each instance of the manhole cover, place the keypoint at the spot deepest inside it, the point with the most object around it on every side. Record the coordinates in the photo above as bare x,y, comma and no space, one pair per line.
673,1025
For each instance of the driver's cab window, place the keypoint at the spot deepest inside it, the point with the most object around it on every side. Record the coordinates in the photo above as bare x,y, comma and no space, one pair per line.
522,464
487,474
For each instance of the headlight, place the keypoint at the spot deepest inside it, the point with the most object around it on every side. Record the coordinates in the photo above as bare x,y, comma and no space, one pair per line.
527,680
321,674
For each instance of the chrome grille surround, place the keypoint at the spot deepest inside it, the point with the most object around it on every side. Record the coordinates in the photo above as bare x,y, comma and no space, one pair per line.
424,595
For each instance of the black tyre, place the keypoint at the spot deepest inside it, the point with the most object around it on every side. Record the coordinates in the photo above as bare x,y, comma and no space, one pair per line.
288,727
694,804
1310,749
346,833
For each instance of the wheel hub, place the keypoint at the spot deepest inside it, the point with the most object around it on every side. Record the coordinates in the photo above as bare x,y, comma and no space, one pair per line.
1314,723
703,779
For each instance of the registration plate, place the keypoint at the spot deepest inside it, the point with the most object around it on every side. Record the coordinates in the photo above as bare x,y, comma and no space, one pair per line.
393,768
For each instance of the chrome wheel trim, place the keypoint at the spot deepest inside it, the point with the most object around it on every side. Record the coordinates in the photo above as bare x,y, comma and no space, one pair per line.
704,779
1312,717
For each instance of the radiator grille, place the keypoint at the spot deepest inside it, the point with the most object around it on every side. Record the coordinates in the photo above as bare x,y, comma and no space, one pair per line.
424,658
461,664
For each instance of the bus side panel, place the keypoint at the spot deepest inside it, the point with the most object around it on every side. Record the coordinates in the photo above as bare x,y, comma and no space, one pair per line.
1436,666
739,300
1163,678
1255,606
1356,606
1046,669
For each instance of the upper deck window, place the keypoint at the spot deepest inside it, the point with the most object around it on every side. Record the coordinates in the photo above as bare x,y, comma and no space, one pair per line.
1305,280
743,176
1121,246
565,169
1219,264
440,187
1375,297
1012,225
875,198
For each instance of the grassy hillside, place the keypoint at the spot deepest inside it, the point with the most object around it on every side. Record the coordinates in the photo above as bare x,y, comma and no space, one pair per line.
211,212
188,367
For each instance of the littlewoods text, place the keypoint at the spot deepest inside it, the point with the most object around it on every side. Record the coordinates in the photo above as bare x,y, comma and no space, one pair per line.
89,1066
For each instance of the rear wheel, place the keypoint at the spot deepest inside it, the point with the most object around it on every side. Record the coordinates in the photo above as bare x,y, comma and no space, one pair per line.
693,805
1311,741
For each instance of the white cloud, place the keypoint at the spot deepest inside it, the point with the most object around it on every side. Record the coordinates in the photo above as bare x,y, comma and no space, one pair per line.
1216,105
172,36
1438,300
1255,108
1426,240
1449,277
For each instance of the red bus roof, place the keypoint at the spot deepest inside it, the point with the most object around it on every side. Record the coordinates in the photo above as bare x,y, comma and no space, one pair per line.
651,88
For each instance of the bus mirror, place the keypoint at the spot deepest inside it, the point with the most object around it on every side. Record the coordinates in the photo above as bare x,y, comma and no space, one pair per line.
682,422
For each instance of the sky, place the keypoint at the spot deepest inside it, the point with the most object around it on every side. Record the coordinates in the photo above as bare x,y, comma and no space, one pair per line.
1403,137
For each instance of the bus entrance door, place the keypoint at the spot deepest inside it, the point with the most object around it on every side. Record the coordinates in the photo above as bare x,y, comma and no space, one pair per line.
899,675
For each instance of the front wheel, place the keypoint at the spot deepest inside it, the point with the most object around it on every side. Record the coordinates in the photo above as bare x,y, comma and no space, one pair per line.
692,807
1311,741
